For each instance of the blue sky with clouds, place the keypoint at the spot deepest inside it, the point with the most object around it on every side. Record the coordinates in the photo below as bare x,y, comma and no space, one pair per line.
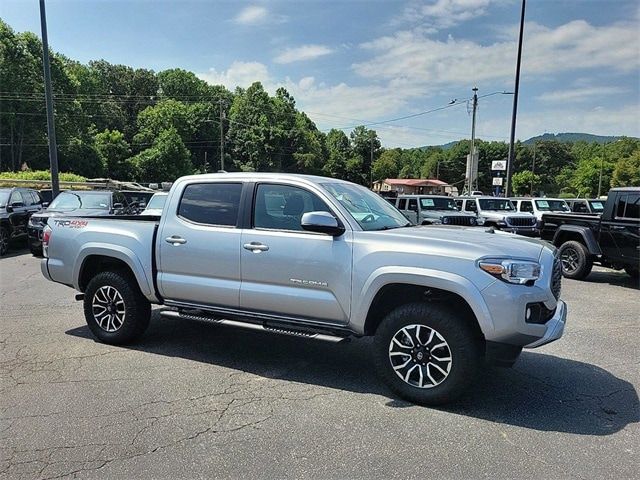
351,62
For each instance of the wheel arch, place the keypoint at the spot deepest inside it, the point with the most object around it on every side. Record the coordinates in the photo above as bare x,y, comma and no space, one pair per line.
577,233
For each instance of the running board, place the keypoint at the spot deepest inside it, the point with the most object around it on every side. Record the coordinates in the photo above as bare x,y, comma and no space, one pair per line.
292,332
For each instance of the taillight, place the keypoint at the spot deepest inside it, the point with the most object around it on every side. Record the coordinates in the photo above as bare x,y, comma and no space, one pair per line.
46,236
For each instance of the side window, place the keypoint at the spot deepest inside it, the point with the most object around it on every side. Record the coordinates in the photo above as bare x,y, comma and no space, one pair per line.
413,204
402,204
630,206
526,206
27,198
37,200
470,206
280,207
16,197
211,203
459,204
580,207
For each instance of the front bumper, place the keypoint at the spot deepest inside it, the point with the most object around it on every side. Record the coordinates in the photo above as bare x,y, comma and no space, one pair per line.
554,327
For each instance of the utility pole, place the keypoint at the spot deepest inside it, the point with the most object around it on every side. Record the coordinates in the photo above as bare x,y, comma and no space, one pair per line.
371,163
51,128
472,154
205,167
512,137
533,167
221,138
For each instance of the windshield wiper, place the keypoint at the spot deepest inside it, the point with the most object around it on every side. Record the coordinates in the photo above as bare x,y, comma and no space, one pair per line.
389,227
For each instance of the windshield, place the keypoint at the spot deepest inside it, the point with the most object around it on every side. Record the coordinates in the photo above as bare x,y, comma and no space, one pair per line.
4,197
438,204
552,206
596,205
501,204
157,201
73,201
371,211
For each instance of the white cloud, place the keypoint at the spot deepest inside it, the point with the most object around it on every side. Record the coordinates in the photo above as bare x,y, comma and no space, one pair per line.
580,94
439,14
257,15
239,74
304,52
416,59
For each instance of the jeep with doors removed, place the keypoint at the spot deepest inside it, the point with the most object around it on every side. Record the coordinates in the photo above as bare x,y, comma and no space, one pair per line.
611,239
433,210
319,258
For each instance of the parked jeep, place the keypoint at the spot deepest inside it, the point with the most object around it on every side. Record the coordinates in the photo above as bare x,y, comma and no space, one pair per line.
16,207
434,210
611,239
499,213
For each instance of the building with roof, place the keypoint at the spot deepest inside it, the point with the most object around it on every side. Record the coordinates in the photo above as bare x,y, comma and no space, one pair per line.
413,186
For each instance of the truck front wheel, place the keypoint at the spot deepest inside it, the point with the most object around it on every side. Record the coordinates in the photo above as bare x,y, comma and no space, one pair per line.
115,309
576,261
426,354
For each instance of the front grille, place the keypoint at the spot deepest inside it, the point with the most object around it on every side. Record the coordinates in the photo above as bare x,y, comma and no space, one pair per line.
521,221
464,221
556,278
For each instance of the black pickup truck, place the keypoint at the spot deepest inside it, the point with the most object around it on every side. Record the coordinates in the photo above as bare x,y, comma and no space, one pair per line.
611,240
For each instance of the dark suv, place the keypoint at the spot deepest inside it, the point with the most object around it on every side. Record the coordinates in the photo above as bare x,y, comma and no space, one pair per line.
78,203
16,206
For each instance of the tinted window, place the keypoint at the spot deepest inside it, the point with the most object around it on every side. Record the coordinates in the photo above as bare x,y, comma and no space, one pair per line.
211,203
36,197
413,204
470,206
74,200
281,207
552,205
16,197
628,206
580,207
402,204
435,203
526,206
496,204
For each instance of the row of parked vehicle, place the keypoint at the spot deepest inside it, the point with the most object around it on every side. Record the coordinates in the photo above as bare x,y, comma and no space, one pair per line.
24,211
586,231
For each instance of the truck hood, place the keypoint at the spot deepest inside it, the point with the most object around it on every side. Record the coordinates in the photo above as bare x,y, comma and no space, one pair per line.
462,242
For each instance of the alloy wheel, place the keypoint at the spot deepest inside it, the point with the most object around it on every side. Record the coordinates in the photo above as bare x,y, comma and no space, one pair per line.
570,260
108,308
420,356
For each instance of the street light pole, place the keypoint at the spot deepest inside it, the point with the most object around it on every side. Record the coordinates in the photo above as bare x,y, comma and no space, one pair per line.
515,105
51,128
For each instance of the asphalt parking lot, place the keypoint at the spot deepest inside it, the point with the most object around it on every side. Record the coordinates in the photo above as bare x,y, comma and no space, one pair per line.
200,401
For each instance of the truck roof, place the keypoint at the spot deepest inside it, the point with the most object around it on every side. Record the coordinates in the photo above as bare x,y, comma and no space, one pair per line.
257,176
625,189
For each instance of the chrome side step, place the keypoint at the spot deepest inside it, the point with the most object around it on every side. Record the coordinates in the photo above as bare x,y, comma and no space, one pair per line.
254,326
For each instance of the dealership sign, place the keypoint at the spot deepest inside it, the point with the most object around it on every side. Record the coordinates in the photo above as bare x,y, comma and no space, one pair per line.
499,165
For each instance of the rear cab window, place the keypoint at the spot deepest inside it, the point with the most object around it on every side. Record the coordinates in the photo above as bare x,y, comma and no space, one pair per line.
213,203
628,206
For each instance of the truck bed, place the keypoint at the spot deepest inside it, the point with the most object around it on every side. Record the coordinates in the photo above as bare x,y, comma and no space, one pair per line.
551,222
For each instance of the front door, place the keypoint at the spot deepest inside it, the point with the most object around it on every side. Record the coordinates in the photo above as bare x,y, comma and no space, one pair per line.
291,271
199,246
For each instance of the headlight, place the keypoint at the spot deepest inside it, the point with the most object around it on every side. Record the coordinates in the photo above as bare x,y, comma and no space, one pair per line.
521,272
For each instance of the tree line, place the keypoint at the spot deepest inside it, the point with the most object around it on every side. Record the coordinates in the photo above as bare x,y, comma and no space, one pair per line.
136,124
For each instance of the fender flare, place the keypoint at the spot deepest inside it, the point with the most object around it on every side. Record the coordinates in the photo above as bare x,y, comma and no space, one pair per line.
424,277
585,233
120,253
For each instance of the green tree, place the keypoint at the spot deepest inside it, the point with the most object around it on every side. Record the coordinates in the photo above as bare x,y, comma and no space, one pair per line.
365,145
338,153
165,161
525,182
626,172
115,152
387,165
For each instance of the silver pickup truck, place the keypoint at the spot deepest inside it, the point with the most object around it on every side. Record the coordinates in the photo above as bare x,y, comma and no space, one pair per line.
316,258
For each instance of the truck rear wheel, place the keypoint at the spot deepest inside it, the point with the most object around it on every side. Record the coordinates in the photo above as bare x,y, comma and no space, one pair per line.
4,240
576,261
426,354
115,309
633,272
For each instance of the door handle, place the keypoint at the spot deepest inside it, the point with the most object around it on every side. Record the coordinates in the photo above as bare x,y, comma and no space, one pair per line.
255,247
175,240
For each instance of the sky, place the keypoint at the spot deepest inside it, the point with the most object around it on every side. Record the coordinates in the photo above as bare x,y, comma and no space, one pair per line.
354,62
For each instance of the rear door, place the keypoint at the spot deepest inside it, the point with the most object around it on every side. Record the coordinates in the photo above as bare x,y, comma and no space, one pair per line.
288,270
199,245
623,228
20,214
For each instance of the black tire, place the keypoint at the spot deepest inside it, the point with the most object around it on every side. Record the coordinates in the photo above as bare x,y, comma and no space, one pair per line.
576,260
137,309
36,252
463,346
4,240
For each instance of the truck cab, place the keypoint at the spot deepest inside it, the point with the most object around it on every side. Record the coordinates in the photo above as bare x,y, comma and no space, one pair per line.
433,210
587,206
540,205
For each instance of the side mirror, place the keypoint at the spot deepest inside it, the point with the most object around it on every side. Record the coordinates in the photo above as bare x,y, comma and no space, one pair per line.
17,205
9,208
321,222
